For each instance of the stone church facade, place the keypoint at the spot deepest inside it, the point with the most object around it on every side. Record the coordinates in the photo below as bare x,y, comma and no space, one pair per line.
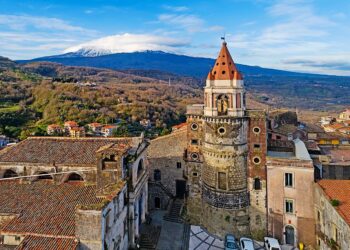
225,156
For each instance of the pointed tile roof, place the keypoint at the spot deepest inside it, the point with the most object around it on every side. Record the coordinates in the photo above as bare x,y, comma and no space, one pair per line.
224,68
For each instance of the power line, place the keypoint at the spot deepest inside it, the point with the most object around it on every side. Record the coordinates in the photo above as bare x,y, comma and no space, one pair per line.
38,175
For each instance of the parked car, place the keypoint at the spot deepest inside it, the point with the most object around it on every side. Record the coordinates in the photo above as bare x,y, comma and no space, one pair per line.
231,242
271,244
246,244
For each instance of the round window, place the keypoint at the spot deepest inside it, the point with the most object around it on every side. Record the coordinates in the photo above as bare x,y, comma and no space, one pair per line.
194,156
256,130
194,126
221,130
256,160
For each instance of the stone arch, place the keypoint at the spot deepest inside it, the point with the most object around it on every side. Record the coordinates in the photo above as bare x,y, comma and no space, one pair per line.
222,104
9,173
74,177
289,235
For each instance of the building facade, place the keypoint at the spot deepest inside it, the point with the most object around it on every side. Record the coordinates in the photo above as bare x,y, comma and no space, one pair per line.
290,180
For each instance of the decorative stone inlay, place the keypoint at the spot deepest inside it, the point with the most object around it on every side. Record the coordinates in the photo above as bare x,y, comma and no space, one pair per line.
235,201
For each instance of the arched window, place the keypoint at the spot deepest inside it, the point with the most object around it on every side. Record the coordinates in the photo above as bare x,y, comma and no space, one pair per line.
44,176
257,184
140,167
222,104
10,173
75,177
157,175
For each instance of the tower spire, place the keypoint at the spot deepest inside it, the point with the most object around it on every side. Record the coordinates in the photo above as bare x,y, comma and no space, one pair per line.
224,68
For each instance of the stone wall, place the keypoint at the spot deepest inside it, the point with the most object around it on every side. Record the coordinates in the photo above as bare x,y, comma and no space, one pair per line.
257,145
166,156
155,191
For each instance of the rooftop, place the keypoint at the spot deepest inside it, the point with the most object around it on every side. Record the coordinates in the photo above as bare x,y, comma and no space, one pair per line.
59,150
170,145
43,243
43,209
338,190
339,156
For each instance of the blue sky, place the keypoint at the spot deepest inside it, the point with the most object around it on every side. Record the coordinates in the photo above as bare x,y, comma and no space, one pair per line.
298,35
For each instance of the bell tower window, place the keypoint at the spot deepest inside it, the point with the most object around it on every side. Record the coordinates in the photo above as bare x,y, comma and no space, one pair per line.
222,104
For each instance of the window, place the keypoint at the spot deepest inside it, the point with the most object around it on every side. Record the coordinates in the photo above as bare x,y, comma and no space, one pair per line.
289,206
221,130
194,156
256,146
256,130
157,175
194,126
278,137
194,142
256,160
238,100
195,174
257,184
222,180
178,164
288,180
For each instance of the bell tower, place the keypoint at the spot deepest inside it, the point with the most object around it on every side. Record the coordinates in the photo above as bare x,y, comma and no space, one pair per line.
225,199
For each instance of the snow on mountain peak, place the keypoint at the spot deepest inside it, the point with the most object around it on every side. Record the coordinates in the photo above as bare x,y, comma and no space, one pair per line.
127,43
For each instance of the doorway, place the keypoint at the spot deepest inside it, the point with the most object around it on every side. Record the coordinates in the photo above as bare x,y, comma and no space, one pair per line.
289,235
157,203
180,188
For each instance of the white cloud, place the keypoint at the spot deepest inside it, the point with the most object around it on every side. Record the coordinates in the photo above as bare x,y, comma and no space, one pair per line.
176,8
132,42
191,23
18,22
24,37
296,31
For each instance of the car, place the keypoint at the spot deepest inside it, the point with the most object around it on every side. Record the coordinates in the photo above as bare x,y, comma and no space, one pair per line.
231,242
271,244
246,244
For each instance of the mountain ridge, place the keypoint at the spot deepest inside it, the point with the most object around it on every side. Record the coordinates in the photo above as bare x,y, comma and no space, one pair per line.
155,60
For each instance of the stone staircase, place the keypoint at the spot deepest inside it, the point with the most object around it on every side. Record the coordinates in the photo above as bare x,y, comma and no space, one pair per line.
149,237
174,214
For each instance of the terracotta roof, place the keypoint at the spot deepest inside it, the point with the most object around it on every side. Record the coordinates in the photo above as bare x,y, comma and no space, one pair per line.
53,126
338,190
181,125
224,68
43,243
42,208
58,150
109,127
71,123
95,124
